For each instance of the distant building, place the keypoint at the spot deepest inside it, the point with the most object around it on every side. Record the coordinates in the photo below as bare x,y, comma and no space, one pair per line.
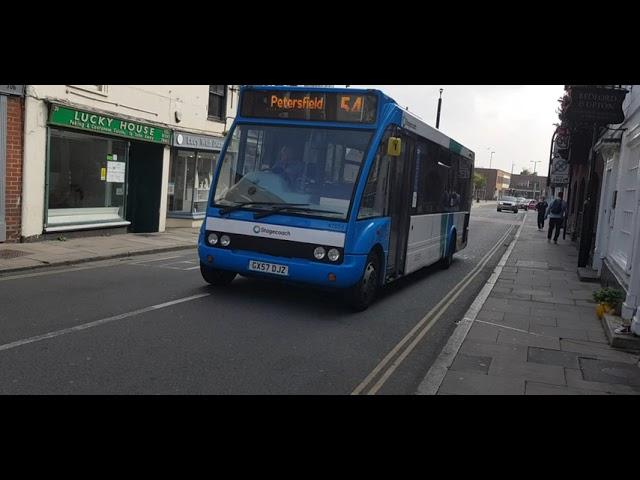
497,183
528,186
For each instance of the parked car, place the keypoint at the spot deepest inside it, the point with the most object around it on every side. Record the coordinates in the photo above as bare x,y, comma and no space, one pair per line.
508,203
523,203
532,204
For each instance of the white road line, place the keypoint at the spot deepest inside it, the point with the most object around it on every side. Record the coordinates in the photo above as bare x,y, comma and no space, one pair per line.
96,323
140,262
434,377
54,272
467,279
191,268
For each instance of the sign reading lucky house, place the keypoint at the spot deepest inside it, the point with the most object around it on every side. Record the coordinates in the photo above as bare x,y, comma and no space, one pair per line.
69,117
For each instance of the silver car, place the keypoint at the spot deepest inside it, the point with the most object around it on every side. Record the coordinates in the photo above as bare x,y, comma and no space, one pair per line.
523,203
508,203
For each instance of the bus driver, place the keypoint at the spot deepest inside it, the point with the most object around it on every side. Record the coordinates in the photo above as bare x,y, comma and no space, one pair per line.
286,165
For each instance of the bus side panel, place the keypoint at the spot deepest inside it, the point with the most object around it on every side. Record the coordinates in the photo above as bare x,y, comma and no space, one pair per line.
430,236
367,234
455,221
463,233
424,242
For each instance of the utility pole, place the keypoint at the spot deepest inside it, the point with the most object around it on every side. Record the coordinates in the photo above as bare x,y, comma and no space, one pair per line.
439,108
535,165
491,158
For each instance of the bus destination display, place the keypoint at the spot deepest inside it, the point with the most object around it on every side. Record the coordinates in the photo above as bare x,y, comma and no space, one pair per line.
315,106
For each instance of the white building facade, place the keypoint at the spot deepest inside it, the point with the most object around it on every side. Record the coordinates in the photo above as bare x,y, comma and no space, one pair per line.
135,158
616,256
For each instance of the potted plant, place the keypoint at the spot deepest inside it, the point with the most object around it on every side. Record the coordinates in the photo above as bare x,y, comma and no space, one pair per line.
609,300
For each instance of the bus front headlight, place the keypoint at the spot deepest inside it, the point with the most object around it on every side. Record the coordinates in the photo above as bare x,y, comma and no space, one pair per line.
225,240
212,239
333,254
319,253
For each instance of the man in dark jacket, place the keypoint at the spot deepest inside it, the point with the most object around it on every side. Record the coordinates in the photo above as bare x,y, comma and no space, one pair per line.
556,212
541,207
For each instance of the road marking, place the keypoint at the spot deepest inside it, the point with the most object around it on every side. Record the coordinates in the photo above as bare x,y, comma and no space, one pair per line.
422,326
140,262
84,326
54,271
434,377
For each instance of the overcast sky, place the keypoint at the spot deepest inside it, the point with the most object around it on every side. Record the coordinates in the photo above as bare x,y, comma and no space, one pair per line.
514,121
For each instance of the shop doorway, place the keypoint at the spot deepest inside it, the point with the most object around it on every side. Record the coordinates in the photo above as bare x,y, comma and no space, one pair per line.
144,186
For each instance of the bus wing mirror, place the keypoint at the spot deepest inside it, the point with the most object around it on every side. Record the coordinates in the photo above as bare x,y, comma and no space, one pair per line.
394,146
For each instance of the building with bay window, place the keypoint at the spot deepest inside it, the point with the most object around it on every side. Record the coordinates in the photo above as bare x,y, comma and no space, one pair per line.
129,158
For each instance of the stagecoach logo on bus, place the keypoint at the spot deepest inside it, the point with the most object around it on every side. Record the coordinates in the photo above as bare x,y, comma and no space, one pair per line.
257,229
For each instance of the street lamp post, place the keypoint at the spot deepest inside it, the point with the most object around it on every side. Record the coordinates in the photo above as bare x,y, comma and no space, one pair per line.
439,108
535,165
491,158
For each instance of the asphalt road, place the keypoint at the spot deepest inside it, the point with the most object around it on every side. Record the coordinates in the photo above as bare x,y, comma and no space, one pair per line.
111,328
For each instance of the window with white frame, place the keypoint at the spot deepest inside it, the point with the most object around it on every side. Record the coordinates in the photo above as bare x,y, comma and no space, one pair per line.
100,89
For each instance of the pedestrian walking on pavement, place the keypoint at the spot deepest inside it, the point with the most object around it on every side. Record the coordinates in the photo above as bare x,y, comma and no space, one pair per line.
541,207
556,213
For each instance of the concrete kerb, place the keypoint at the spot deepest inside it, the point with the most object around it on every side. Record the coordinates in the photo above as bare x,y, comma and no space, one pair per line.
97,258
435,376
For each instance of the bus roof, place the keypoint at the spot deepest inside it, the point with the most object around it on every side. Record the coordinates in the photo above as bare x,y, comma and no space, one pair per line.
408,120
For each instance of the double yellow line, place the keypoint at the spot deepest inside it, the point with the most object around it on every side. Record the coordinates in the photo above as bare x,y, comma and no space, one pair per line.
381,373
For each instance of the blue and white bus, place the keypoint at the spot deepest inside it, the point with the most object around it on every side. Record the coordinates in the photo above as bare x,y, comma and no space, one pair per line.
337,188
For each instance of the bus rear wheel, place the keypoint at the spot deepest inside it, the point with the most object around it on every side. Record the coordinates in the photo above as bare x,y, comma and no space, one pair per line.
216,277
448,260
362,294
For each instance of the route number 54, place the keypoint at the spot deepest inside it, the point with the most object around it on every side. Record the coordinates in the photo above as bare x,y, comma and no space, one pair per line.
351,104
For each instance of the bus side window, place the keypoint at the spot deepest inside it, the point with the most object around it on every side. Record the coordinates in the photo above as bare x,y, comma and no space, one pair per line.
434,179
374,197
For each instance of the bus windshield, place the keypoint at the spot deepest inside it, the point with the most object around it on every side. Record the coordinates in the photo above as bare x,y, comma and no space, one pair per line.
276,165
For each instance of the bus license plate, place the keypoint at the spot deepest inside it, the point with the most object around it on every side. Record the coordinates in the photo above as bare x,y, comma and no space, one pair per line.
269,268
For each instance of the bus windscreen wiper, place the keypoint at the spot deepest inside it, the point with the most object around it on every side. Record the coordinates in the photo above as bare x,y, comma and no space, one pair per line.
239,205
290,207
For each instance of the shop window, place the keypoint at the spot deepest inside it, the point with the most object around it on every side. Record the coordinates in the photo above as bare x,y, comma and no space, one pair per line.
86,179
217,102
190,178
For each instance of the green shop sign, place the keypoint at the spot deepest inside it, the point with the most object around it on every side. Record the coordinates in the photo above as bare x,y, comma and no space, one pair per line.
68,117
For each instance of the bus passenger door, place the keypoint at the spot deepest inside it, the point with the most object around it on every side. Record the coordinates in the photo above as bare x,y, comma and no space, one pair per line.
399,207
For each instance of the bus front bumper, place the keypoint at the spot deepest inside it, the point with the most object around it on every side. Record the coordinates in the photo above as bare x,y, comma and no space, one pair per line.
344,275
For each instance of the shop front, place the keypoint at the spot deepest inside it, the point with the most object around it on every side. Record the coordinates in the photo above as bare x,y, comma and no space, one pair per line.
193,161
102,171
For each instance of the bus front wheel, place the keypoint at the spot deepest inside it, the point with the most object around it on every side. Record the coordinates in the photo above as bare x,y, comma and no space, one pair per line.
215,276
362,294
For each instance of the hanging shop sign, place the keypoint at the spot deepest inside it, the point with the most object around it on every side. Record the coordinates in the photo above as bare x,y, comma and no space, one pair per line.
99,123
595,105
